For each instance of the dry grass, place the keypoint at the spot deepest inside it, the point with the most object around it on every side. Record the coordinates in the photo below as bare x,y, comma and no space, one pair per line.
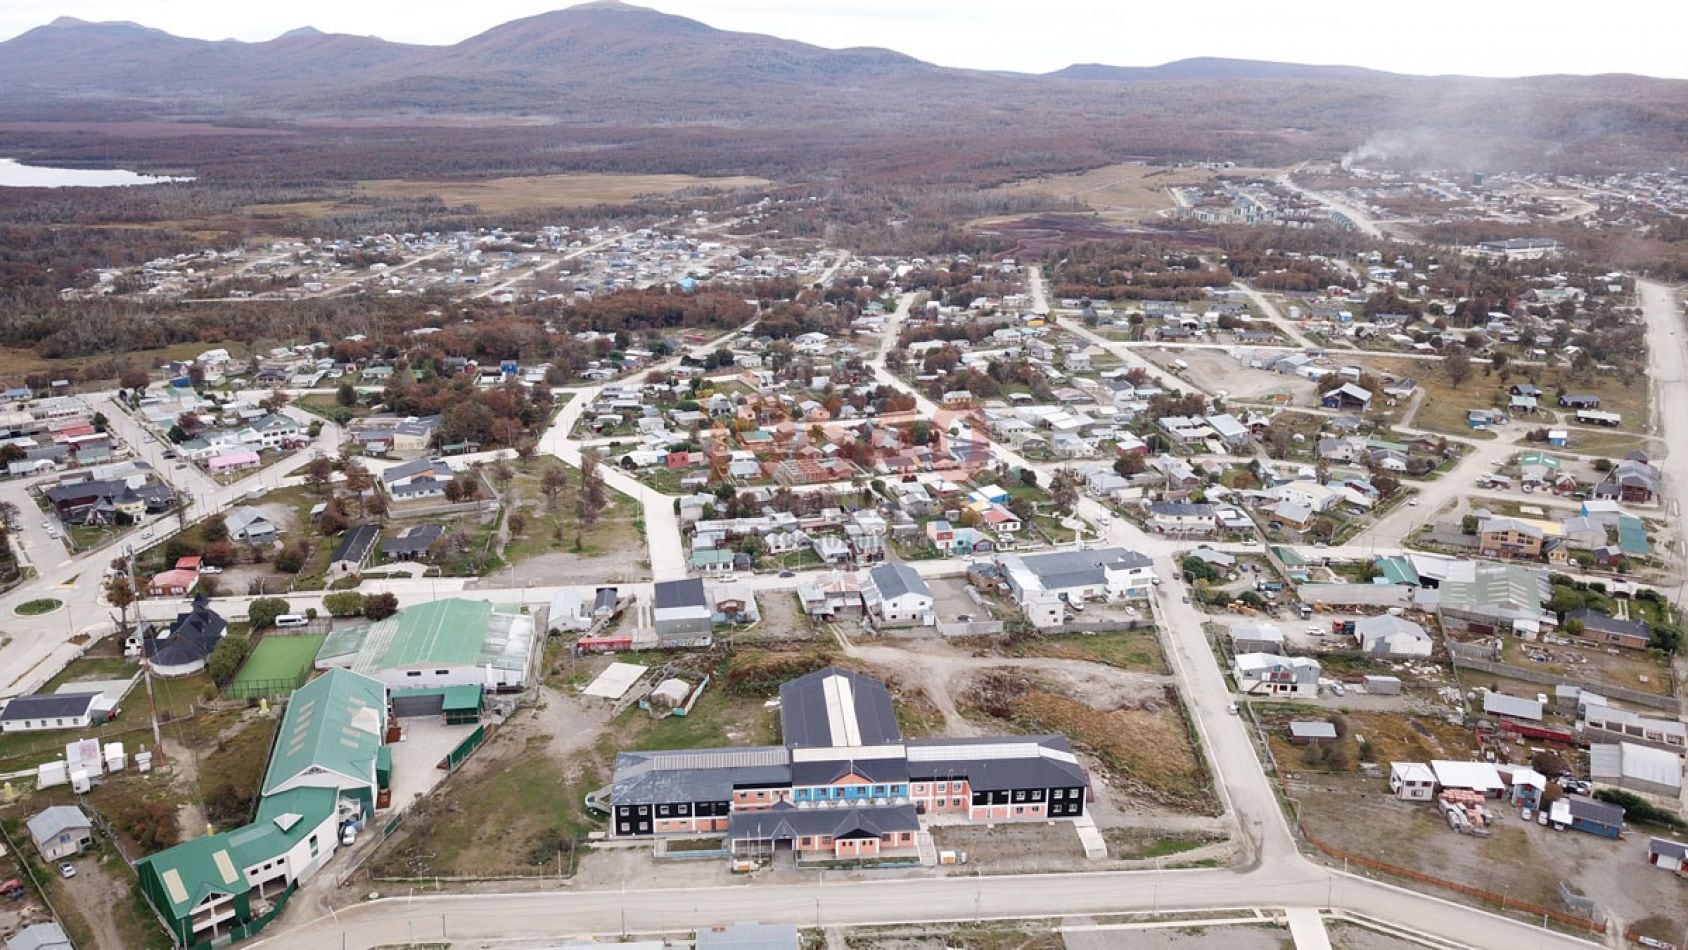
549,191
1147,748
1125,192
1444,407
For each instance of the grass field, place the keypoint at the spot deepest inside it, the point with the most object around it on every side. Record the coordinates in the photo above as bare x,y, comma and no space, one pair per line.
1126,191
19,362
1444,406
549,191
276,658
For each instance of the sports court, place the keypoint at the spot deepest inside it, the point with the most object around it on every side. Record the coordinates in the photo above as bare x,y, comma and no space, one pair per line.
276,666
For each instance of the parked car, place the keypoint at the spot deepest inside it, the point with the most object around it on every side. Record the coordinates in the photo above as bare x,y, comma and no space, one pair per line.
67,870
210,569
1232,709
53,533
12,888
788,573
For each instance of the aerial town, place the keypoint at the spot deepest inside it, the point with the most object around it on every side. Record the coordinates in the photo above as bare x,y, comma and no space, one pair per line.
1239,553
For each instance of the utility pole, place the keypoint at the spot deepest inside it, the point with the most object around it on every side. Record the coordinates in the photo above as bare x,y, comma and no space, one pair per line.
146,661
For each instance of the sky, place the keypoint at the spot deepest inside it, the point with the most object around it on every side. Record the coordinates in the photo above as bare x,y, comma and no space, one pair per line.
1470,37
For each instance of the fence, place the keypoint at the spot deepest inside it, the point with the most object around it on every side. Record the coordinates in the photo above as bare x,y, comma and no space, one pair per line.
1553,679
1504,901
976,628
456,757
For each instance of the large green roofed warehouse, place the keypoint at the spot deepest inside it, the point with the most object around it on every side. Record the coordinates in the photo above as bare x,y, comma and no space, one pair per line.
454,642
325,773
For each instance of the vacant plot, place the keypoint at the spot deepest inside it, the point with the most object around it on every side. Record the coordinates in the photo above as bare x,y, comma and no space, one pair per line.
1126,649
550,191
1123,193
276,665
1357,814
1444,405
1146,748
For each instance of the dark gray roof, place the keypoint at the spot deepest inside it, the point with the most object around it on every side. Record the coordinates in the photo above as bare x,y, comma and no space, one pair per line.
788,821
415,540
1181,509
407,469
998,763
697,775
686,593
356,543
1606,623
894,580
1667,847
1588,809
835,707
191,638
878,771
48,706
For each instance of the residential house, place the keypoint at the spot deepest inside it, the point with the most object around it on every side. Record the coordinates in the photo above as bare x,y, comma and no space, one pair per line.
1346,396
1604,628
1271,674
1045,584
412,544
898,596
248,524
1412,781
352,555
47,935
1182,518
1391,636
46,711
416,479
60,831
1510,537
184,647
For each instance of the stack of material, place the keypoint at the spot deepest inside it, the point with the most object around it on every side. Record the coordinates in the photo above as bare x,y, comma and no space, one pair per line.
1469,806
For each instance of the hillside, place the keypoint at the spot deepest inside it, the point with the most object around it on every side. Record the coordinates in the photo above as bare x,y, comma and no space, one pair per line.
669,93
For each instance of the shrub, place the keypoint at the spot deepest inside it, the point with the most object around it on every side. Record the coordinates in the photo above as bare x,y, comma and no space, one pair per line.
1640,809
346,603
380,606
226,659
264,610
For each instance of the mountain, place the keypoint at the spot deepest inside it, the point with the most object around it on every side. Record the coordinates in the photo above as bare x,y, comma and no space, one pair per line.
609,86
1214,68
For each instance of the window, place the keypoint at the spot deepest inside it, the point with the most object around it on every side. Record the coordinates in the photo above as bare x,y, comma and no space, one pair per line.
1020,796
313,843
662,811
943,786
442,672
413,673
804,842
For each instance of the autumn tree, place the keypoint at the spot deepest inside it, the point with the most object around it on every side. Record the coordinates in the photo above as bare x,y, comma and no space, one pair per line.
318,473
551,485
589,502
358,480
1063,490
120,593
1458,367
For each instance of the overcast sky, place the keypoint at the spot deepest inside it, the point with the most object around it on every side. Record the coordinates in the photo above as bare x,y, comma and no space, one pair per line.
1473,37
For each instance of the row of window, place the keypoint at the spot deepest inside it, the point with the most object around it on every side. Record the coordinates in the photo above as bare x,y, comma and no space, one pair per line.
419,672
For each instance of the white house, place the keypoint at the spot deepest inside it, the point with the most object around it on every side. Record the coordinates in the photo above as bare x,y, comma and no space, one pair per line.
898,596
1269,674
1412,781
45,711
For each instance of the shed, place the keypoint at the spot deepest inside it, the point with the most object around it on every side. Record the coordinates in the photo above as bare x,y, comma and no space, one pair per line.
1312,732
1637,768
1511,707
1382,685
1668,855
43,936
1595,817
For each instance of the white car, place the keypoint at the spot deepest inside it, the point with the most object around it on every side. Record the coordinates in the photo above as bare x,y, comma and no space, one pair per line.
210,569
53,533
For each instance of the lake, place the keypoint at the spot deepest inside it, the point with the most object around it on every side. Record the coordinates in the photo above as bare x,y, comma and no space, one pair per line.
15,174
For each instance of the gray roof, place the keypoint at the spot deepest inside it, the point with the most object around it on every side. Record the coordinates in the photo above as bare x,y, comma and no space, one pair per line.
1667,847
1517,707
48,706
1606,623
697,775
241,518
1080,568
1589,809
415,540
836,707
894,580
357,542
1312,729
43,936
748,936
788,821
407,469
995,763
683,593
47,823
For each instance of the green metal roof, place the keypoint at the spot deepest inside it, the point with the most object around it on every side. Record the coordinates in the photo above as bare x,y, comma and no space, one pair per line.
335,723
188,872
1396,570
1288,556
1632,536
451,632
455,697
